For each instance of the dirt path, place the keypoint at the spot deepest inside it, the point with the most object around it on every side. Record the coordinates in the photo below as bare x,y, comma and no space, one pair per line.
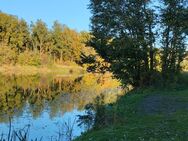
164,104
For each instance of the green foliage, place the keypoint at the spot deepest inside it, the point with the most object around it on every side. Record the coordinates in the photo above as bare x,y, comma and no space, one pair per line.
125,37
57,40
38,45
8,24
7,55
67,44
14,33
20,37
72,45
173,37
29,58
144,114
92,61
40,36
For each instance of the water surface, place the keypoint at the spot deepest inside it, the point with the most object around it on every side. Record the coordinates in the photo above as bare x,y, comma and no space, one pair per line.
47,106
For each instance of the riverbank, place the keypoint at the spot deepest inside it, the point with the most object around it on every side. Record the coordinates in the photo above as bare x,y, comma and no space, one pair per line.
147,114
33,70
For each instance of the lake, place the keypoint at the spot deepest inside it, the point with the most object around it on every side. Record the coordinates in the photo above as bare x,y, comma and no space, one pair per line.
46,107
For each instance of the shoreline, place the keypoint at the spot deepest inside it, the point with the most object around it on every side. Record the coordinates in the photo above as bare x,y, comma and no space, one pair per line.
141,111
33,70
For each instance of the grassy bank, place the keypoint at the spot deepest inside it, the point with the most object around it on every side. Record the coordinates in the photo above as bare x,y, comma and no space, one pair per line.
148,114
32,70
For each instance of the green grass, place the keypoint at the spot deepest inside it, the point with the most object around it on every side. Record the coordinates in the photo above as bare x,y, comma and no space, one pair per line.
145,115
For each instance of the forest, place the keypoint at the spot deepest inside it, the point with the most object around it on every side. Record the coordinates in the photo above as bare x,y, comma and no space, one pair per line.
37,42
36,45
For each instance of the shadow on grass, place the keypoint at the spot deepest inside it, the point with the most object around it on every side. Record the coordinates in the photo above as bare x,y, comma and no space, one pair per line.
151,114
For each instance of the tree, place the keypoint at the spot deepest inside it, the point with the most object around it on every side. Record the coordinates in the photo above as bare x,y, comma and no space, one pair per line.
66,43
20,38
57,48
123,35
8,24
173,37
14,33
71,45
40,36
37,42
183,17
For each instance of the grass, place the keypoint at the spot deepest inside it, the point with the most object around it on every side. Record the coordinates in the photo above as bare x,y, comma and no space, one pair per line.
33,70
145,115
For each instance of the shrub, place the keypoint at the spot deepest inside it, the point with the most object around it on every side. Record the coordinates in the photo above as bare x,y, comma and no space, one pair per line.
7,55
29,58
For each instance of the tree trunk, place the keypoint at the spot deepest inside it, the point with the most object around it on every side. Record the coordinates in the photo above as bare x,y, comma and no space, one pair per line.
166,51
61,57
151,52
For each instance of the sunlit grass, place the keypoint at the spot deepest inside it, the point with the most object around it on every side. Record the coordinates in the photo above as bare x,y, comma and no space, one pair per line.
33,70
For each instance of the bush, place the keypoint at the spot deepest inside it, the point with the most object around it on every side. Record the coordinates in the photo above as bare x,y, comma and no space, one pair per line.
29,58
7,55
182,79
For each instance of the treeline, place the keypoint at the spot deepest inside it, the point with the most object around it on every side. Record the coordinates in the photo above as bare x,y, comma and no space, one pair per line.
36,44
144,40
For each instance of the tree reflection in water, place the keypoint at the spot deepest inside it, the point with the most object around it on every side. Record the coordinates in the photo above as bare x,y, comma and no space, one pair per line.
52,94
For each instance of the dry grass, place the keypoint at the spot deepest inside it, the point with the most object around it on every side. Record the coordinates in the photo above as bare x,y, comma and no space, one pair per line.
33,70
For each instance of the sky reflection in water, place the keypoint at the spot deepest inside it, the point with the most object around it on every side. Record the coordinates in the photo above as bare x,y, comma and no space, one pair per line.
46,103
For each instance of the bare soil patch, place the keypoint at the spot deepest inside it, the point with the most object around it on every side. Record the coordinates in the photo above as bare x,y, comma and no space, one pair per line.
163,104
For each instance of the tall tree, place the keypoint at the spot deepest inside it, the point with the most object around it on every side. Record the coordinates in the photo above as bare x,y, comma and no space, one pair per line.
14,32
57,48
71,45
173,38
20,38
40,36
8,25
123,35
67,43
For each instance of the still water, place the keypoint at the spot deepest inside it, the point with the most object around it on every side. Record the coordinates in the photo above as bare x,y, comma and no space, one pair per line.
47,107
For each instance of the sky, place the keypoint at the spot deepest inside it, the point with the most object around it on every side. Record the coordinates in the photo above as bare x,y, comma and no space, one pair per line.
73,13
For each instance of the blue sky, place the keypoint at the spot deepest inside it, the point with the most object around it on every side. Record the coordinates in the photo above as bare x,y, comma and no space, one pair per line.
73,13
